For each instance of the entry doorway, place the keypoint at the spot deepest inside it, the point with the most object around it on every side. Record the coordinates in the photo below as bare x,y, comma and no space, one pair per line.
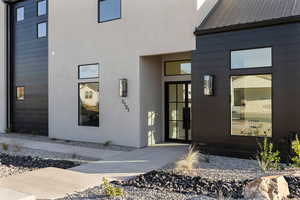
178,96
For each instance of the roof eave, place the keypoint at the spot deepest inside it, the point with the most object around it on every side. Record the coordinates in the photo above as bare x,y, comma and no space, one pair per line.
236,27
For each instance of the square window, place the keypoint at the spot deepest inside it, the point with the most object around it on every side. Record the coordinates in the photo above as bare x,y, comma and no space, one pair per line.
251,105
42,30
20,14
20,93
42,7
109,10
89,104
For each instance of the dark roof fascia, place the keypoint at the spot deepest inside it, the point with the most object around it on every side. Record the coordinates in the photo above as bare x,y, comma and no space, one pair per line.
11,1
260,24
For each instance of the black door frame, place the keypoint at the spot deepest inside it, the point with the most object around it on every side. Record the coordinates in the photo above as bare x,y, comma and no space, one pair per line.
166,101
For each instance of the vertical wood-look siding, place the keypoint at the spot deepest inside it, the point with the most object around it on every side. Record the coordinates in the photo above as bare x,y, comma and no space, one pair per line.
211,115
29,69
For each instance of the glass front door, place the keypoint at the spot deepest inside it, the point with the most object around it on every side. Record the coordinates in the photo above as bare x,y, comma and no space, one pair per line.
178,111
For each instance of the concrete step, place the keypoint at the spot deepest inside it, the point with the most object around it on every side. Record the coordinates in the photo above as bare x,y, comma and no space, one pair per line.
7,194
50,183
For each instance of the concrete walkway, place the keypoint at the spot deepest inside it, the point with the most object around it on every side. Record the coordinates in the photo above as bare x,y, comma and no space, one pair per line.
51,183
48,183
97,154
135,162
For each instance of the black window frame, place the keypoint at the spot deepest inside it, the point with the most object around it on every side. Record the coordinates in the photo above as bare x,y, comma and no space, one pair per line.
103,21
37,8
85,65
37,29
16,15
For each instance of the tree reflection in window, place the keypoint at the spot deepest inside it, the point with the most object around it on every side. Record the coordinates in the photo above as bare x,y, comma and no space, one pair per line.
89,104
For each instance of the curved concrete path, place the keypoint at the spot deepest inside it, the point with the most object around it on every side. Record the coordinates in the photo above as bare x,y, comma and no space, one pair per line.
135,162
52,183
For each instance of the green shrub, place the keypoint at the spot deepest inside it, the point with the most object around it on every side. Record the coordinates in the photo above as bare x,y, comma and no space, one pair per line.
296,149
7,130
267,157
112,191
107,143
4,146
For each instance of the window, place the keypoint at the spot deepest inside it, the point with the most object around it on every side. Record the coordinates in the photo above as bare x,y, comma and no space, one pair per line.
20,14
109,10
42,30
20,93
42,7
173,68
89,104
88,71
251,58
251,105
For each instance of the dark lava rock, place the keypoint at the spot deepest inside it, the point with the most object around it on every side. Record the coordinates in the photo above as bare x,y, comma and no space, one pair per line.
294,186
186,184
34,162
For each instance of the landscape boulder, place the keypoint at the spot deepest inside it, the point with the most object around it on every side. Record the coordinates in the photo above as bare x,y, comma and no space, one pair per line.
267,188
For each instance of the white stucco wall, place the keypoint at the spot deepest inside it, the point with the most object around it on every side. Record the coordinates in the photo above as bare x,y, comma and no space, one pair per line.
2,68
146,28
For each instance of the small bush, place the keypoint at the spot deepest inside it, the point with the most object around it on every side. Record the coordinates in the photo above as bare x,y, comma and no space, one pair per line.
267,157
107,143
4,146
189,161
296,149
16,148
7,130
112,191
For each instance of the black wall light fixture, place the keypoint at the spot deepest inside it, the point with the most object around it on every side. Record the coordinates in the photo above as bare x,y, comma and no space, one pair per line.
123,87
208,85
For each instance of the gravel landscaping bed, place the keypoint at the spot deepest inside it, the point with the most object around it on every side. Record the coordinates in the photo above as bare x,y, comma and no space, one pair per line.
133,193
15,164
161,180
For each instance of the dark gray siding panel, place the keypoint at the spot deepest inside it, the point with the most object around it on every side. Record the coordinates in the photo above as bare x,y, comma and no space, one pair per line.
29,69
211,115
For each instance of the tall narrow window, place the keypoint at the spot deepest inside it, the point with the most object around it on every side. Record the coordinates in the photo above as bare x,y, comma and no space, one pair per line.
42,30
42,7
20,14
109,10
251,105
89,104
20,93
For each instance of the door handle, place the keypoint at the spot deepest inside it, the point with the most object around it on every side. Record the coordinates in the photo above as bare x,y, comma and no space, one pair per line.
186,118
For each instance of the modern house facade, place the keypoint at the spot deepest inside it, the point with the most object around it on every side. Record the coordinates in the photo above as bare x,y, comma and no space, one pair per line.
57,62
216,72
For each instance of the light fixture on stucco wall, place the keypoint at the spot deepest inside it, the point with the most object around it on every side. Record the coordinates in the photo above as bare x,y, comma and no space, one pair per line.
123,87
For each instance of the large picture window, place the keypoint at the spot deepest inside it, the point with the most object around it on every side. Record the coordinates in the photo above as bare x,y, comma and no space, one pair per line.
109,10
89,104
251,105
251,58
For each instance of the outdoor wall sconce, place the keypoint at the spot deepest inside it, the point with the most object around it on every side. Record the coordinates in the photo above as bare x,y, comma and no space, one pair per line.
208,85
123,87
